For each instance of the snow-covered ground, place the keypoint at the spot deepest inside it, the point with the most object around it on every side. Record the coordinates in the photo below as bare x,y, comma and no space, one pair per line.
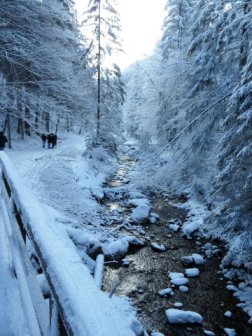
63,195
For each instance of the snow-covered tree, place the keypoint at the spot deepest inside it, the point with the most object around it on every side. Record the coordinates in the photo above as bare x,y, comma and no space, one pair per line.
175,26
104,23
40,64
234,182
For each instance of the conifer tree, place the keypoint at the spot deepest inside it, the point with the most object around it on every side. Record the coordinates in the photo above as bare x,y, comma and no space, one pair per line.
104,21
176,24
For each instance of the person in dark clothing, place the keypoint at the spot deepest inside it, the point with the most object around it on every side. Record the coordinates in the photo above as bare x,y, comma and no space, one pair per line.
43,138
3,140
49,140
54,140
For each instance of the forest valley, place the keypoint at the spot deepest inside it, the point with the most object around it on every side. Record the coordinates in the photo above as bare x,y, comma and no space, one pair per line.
187,108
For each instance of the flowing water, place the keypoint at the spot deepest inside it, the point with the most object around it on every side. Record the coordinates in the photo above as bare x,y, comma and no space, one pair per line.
147,274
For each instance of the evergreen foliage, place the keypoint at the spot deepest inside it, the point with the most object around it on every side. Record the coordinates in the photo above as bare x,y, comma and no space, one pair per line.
103,21
39,65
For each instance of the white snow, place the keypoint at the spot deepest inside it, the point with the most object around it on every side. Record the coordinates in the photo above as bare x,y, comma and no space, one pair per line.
182,317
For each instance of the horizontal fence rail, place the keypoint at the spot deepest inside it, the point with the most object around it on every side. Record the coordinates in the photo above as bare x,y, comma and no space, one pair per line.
74,304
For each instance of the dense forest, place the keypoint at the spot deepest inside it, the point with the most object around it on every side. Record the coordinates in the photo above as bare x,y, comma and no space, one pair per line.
189,104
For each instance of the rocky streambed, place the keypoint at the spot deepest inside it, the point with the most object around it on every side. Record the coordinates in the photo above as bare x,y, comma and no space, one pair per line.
144,274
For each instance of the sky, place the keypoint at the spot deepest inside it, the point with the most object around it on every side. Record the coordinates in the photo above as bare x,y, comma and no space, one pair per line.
141,27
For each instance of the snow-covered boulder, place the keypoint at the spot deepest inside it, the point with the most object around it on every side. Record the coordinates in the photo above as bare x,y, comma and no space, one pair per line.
179,281
115,248
183,289
195,258
182,317
166,292
208,332
228,313
187,260
85,241
134,240
118,248
138,201
141,214
198,259
230,332
153,218
175,275
158,247
173,227
189,228
137,328
192,272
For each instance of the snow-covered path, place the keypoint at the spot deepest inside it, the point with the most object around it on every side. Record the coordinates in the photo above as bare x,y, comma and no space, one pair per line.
60,178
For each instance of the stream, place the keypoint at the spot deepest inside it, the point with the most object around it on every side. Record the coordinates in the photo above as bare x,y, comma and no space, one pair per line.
146,271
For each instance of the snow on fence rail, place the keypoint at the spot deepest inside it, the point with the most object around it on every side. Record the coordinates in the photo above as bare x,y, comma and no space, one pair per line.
83,308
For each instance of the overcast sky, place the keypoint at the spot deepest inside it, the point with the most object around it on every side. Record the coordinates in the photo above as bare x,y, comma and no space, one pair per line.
141,26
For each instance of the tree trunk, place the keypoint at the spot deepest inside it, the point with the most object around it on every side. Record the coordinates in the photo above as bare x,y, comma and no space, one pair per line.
47,121
244,49
99,71
8,130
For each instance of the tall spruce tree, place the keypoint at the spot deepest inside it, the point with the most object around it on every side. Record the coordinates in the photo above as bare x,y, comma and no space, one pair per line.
104,22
